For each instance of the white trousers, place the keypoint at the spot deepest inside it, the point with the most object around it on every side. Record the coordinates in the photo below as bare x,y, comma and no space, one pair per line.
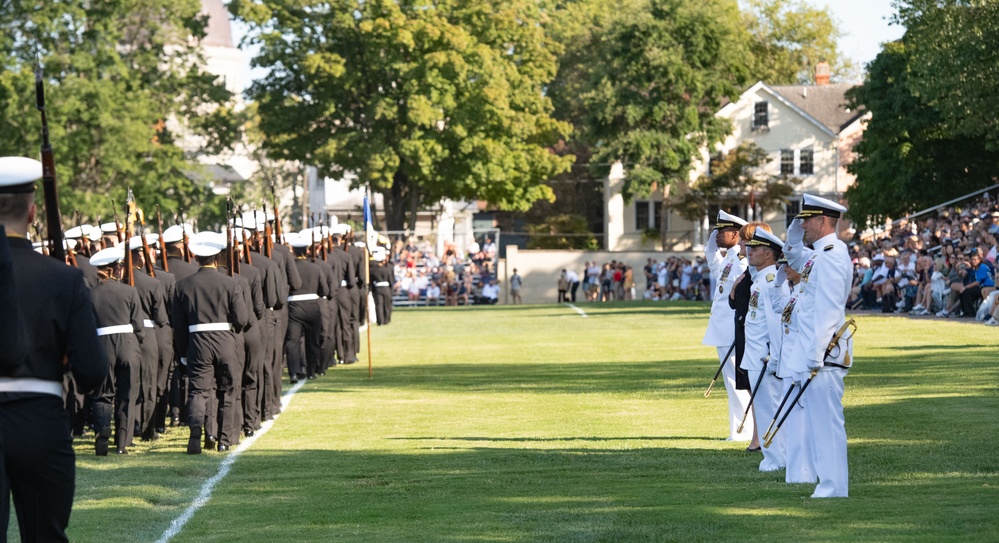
796,445
765,405
826,428
737,400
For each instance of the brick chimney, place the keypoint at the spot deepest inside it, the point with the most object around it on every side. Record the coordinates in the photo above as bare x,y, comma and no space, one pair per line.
822,73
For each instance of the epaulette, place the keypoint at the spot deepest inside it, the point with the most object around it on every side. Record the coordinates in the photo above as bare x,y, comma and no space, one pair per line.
770,277
828,247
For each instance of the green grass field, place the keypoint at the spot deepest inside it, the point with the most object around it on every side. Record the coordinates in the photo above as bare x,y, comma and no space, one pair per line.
531,423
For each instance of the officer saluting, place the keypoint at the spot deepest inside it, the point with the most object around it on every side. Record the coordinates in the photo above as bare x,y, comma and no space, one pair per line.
721,325
208,307
55,307
826,277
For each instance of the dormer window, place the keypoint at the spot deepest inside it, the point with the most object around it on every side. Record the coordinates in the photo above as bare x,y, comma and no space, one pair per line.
761,116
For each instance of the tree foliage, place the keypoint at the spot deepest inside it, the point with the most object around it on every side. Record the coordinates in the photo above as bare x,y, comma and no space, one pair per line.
565,231
919,147
654,85
735,177
788,38
421,100
114,72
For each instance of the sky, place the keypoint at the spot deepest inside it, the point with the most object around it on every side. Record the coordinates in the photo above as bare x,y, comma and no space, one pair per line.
864,24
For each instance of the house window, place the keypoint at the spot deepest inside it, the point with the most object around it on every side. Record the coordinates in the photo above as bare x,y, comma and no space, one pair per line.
806,161
787,162
793,207
761,116
641,215
657,215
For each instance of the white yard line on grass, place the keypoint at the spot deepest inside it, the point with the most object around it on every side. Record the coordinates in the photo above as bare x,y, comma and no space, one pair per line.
578,310
206,489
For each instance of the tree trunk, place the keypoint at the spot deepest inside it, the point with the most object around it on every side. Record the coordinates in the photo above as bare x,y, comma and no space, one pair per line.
664,222
395,202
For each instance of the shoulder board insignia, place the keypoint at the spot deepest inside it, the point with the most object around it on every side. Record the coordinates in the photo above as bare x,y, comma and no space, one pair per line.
828,247
771,277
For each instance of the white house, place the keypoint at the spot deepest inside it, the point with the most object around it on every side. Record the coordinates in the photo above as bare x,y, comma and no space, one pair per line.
808,131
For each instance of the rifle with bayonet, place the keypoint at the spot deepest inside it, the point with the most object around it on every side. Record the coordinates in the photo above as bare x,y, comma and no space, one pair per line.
228,241
117,224
52,218
277,217
268,242
129,206
147,257
163,253
183,230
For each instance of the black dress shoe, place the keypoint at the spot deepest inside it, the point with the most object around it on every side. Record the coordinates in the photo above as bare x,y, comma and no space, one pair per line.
210,442
194,445
101,446
248,433
122,451
223,448
752,449
161,430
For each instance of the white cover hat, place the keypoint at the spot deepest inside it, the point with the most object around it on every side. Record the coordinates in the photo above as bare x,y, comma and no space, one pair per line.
18,174
727,220
207,243
108,256
816,205
176,233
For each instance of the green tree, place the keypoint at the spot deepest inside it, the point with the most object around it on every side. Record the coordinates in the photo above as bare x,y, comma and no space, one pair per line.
115,72
789,38
653,85
954,47
421,100
735,177
910,157
562,232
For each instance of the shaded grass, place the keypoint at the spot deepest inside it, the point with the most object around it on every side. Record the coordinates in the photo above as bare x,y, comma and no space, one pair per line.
533,424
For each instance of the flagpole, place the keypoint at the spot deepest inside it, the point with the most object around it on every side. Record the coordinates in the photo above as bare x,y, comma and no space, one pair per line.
367,275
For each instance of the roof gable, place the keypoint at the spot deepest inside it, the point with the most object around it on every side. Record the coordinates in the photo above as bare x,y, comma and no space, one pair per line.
825,106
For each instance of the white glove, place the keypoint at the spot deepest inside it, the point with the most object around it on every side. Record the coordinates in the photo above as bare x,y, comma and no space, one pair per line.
781,275
814,364
712,245
795,233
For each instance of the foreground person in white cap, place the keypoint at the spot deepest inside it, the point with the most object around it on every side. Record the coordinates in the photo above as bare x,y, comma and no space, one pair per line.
721,325
208,307
821,295
38,458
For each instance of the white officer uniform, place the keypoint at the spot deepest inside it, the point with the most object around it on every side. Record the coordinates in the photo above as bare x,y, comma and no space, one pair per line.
725,269
763,331
826,278
790,369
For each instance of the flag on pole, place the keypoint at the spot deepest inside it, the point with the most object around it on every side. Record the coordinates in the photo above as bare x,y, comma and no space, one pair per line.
370,236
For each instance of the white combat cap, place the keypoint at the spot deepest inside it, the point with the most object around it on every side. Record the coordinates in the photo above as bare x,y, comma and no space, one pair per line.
18,174
727,220
340,229
379,254
175,233
110,228
92,231
69,244
296,240
108,256
763,238
815,205
207,243
76,232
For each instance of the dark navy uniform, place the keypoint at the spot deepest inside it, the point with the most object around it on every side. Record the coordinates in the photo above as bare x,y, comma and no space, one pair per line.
164,340
253,349
120,331
274,295
382,278
154,316
345,277
358,295
207,308
305,319
181,269
58,315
